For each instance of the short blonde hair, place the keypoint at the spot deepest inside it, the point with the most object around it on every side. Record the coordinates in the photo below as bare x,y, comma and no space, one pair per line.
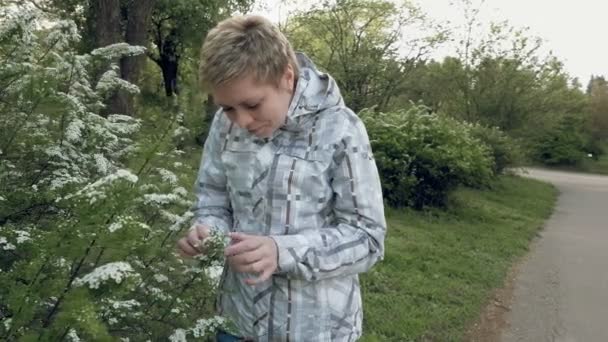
243,44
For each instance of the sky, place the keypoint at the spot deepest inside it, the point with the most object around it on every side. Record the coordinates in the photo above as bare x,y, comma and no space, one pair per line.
575,31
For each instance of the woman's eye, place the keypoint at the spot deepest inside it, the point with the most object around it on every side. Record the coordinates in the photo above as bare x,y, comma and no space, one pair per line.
252,106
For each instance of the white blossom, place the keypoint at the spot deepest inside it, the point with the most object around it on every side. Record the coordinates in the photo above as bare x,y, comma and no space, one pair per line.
118,50
178,221
115,226
214,273
103,165
167,176
74,130
111,80
161,278
7,245
115,270
7,323
93,192
180,130
125,304
205,326
160,198
22,236
179,335
73,336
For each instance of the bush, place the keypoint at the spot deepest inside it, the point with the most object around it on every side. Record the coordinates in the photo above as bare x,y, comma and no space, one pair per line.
504,150
89,211
422,156
562,145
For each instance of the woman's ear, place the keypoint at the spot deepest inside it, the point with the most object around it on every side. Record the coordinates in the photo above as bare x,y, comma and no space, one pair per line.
288,80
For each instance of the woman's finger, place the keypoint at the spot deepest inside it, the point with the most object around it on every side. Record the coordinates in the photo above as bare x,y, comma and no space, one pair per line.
184,246
247,258
194,240
202,231
266,274
249,243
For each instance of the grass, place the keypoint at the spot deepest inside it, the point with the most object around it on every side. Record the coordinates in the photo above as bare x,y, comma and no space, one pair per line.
440,267
599,166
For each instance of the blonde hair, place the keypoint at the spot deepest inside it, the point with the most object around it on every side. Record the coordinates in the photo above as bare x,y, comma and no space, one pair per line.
243,44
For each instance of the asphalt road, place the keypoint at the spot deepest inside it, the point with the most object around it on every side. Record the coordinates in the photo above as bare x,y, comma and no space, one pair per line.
561,290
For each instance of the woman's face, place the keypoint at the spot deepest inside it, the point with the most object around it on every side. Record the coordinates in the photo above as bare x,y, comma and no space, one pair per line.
258,107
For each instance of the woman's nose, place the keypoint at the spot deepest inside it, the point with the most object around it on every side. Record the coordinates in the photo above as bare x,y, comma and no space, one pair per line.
243,119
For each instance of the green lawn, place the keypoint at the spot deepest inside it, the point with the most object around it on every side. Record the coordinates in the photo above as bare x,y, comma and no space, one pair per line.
441,266
599,166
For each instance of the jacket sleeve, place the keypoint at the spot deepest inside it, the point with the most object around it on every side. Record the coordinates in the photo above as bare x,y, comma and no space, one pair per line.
356,241
212,205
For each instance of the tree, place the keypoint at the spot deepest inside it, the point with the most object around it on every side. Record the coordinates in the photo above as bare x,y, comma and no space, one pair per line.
366,45
597,91
179,26
176,30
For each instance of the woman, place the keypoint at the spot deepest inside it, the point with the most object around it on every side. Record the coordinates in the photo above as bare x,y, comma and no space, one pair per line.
287,172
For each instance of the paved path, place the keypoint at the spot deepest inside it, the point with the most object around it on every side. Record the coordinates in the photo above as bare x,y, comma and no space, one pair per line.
561,291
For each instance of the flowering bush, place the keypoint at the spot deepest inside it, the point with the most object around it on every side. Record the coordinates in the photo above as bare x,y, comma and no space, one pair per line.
421,156
89,209
504,150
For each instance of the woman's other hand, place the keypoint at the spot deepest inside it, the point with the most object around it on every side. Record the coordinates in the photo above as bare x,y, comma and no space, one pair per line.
192,244
252,254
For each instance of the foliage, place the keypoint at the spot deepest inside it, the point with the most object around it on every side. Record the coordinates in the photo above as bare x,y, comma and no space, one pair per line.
368,46
563,145
505,151
89,208
422,156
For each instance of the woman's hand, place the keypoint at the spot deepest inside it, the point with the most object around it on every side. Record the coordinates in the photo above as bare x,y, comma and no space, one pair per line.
192,244
252,254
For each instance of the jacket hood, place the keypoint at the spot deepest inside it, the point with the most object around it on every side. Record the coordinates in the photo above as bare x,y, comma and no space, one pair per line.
315,91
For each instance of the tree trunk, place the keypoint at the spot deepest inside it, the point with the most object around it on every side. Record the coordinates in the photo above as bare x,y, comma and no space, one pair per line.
139,13
107,26
169,63
107,31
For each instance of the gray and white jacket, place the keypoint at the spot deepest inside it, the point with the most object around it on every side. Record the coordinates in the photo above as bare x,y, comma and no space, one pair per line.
314,188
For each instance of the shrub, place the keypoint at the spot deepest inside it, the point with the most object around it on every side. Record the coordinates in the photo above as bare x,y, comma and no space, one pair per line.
88,214
562,145
422,156
504,150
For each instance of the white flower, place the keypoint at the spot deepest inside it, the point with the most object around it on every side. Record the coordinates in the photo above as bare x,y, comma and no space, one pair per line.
160,199
115,226
167,176
205,326
73,336
115,270
178,336
7,323
161,278
73,132
214,273
7,245
22,236
125,304
118,50
103,164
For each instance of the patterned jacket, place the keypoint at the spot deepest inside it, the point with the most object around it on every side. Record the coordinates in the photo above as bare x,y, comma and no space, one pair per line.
314,188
